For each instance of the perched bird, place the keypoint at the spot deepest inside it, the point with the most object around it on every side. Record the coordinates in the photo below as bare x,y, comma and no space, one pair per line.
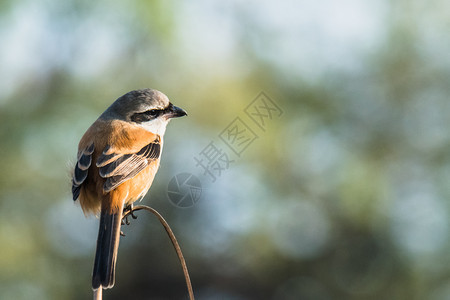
118,158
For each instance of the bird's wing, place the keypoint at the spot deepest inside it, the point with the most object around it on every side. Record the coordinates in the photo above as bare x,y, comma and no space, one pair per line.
81,169
118,167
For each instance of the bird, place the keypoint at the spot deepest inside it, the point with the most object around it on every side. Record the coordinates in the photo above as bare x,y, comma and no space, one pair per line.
118,157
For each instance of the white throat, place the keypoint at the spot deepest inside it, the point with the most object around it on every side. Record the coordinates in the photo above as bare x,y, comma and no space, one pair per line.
156,126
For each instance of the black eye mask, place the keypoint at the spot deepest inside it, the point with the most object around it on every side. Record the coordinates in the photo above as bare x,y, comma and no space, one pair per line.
146,115
150,114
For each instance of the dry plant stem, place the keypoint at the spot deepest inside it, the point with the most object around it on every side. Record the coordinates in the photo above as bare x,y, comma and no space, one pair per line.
174,243
98,294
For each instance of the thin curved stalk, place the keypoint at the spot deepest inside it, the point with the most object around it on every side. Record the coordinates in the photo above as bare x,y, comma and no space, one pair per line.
172,239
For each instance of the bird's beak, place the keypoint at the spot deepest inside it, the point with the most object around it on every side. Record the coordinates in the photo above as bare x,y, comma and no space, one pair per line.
176,112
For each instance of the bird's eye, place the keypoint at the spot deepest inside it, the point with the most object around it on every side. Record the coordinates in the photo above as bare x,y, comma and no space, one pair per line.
152,112
145,116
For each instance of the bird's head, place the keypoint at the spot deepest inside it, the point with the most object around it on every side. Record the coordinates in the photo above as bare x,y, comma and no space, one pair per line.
147,108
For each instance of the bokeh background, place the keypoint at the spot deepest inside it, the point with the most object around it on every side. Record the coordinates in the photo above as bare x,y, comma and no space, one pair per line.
344,196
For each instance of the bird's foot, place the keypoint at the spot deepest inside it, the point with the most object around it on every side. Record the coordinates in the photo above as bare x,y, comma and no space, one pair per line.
128,211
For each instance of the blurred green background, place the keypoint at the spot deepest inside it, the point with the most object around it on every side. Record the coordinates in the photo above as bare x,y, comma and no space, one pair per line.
344,196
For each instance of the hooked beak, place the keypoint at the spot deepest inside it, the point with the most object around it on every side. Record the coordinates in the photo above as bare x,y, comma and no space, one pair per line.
176,112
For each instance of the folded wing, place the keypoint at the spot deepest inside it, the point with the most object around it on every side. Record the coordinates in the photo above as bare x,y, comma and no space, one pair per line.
117,168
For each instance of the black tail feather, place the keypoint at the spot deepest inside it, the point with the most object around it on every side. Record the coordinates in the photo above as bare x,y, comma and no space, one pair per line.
106,253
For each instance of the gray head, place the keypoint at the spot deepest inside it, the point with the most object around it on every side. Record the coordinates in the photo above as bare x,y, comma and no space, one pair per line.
147,108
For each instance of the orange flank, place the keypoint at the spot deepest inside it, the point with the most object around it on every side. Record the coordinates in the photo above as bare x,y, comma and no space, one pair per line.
119,138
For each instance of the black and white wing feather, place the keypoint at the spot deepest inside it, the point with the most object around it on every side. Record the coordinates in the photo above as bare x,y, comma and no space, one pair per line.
116,168
81,169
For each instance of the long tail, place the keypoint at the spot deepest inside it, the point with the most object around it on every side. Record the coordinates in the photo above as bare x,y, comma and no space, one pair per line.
106,253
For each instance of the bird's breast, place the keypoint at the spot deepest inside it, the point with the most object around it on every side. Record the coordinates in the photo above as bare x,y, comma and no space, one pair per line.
135,188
